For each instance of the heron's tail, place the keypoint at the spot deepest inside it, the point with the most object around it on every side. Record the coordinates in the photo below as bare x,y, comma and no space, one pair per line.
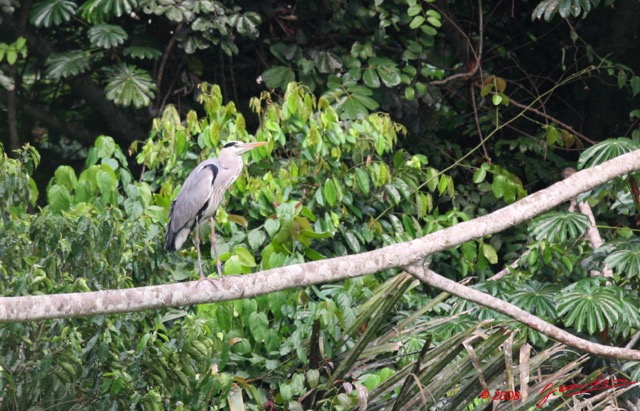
177,234
170,239
170,236
175,237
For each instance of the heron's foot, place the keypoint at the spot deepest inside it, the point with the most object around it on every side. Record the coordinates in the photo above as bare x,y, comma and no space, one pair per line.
212,281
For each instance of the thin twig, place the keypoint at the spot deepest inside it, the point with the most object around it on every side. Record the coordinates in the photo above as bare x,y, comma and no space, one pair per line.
477,121
507,269
555,120
477,54
165,55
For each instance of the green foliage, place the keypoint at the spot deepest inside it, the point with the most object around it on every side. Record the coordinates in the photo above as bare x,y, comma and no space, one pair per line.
210,23
559,226
565,8
278,77
98,183
11,51
322,187
362,203
336,178
48,13
97,11
537,298
142,53
128,85
17,188
625,259
107,36
362,75
589,306
352,100
68,64
606,150
505,185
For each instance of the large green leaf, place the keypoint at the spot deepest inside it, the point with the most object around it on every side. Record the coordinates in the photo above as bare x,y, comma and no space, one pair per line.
129,85
387,70
330,192
591,307
370,78
351,108
66,176
49,13
559,226
356,102
566,8
606,150
107,36
107,184
625,260
256,238
362,177
101,10
59,198
278,77
327,62
246,23
630,314
68,64
537,298
259,325
142,52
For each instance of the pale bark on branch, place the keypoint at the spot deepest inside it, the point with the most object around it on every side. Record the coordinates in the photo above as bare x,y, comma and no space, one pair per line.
435,280
403,255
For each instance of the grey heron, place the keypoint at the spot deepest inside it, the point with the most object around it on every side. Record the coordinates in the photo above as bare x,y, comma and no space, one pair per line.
200,196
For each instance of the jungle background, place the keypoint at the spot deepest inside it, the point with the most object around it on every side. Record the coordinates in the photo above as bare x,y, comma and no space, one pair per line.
386,120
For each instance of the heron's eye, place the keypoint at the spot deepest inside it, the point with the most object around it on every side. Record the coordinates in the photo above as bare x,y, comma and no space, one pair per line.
230,144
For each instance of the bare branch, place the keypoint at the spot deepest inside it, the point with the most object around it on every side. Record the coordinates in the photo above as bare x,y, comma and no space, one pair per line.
593,234
27,308
634,340
505,271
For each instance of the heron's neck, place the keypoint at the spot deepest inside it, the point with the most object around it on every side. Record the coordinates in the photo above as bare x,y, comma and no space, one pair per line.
230,160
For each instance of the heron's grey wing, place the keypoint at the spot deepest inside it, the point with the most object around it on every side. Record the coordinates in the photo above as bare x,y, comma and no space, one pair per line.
191,200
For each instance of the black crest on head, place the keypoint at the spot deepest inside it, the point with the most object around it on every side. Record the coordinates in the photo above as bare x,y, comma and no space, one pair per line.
230,144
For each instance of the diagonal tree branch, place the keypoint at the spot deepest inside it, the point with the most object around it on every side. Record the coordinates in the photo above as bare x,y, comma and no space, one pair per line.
435,280
26,308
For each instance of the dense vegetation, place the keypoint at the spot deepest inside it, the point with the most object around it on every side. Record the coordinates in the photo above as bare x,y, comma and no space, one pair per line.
109,106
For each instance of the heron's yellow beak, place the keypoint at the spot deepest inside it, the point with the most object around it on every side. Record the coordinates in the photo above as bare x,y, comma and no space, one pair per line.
249,146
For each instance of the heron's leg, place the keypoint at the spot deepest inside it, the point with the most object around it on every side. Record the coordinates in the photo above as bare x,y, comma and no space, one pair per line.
214,246
197,241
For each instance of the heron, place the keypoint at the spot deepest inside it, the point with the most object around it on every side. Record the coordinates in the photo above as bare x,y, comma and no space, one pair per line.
200,196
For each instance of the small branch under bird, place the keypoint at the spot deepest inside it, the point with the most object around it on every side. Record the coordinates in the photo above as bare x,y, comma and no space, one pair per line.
200,196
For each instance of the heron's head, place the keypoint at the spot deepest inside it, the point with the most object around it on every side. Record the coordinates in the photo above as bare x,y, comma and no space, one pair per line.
238,148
